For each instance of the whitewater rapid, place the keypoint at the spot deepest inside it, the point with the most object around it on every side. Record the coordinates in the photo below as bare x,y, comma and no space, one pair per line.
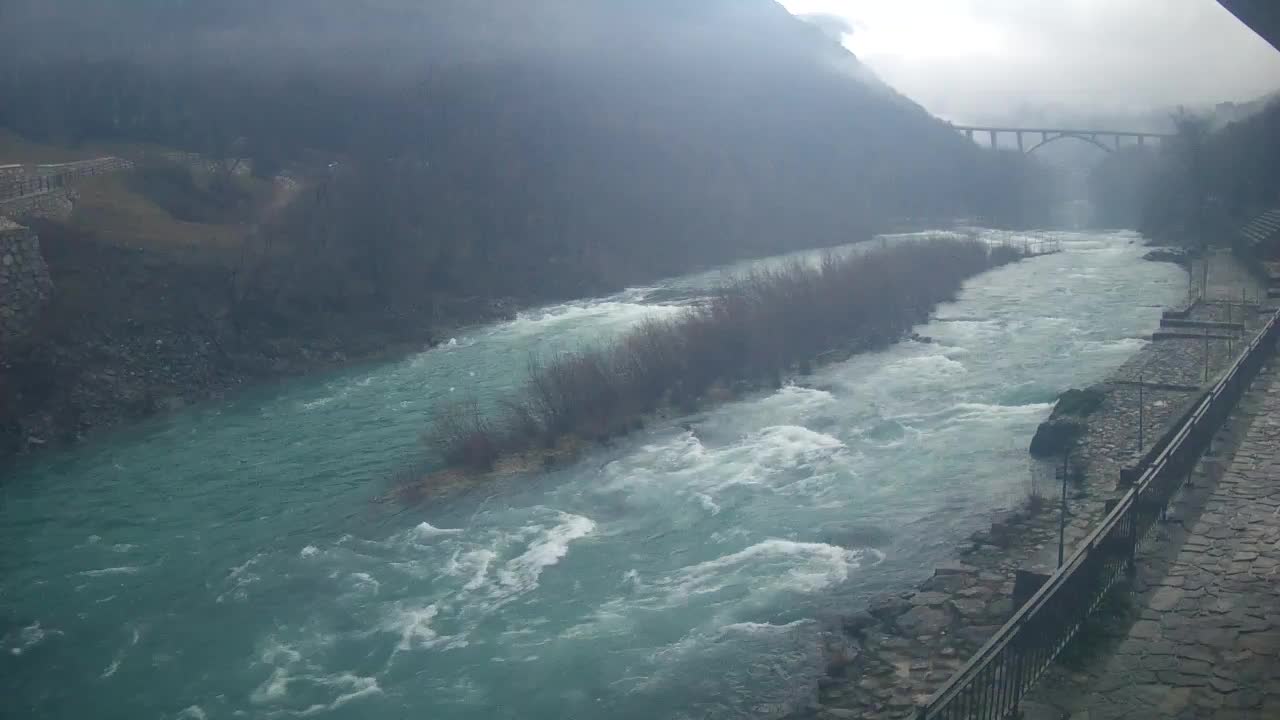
231,561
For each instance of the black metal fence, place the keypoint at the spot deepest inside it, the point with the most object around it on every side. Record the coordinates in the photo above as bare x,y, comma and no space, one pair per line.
995,679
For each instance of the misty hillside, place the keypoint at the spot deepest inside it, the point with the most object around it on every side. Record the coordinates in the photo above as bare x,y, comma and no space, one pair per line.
670,132
418,166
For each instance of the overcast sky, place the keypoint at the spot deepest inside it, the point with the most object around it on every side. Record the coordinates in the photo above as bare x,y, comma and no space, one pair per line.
975,60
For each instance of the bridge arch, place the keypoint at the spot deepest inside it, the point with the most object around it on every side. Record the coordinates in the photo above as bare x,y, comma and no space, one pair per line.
1085,138
1050,134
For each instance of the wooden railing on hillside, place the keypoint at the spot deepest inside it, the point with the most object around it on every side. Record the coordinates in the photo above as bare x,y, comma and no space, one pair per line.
22,180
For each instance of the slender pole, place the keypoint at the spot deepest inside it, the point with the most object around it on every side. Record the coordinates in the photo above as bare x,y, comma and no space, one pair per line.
1141,414
1206,354
1231,350
1062,514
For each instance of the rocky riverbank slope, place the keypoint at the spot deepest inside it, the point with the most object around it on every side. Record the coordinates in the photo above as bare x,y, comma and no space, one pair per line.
127,333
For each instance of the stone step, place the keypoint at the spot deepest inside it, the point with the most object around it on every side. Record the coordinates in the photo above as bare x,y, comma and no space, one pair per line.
1172,387
1187,335
1205,324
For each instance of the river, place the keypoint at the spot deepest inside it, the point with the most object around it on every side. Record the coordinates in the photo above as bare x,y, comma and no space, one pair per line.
229,561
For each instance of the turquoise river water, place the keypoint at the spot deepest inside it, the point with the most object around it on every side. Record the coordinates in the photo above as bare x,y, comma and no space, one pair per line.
230,561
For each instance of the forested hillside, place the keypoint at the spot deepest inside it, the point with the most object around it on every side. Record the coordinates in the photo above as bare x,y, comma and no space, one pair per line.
1201,185
1212,182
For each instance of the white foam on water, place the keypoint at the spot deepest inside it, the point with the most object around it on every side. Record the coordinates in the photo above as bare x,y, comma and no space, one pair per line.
192,712
364,583
774,458
240,579
309,551
757,628
480,560
426,531
318,403
290,670
784,459
30,636
111,669
121,570
123,547
707,503
767,566
613,314
520,574
414,626
927,367
790,403
986,412
274,689
357,687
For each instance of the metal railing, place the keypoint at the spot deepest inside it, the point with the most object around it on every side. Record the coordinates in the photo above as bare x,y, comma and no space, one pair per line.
999,675
44,178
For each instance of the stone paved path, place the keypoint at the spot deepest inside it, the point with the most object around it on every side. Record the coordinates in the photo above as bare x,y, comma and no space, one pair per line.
1202,639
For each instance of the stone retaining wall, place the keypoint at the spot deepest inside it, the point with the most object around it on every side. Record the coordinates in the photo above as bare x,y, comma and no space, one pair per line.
24,283
54,205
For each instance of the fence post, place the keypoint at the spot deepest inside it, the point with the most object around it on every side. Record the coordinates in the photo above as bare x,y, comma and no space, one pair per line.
1141,413
1131,565
1206,354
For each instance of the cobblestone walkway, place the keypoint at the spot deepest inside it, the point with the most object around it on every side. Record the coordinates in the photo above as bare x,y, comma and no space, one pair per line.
1202,639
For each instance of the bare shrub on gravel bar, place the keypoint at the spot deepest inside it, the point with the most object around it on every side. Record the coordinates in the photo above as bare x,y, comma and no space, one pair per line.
751,329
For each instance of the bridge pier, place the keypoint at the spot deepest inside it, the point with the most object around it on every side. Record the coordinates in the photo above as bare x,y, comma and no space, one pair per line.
993,139
1019,134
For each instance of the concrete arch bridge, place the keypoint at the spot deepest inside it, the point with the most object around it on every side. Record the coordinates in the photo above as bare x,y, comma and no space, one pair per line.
1031,139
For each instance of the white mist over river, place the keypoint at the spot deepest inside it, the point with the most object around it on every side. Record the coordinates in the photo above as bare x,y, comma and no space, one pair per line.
229,561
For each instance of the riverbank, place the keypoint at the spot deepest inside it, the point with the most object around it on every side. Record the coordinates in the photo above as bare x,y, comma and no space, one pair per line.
884,661
751,331
131,333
